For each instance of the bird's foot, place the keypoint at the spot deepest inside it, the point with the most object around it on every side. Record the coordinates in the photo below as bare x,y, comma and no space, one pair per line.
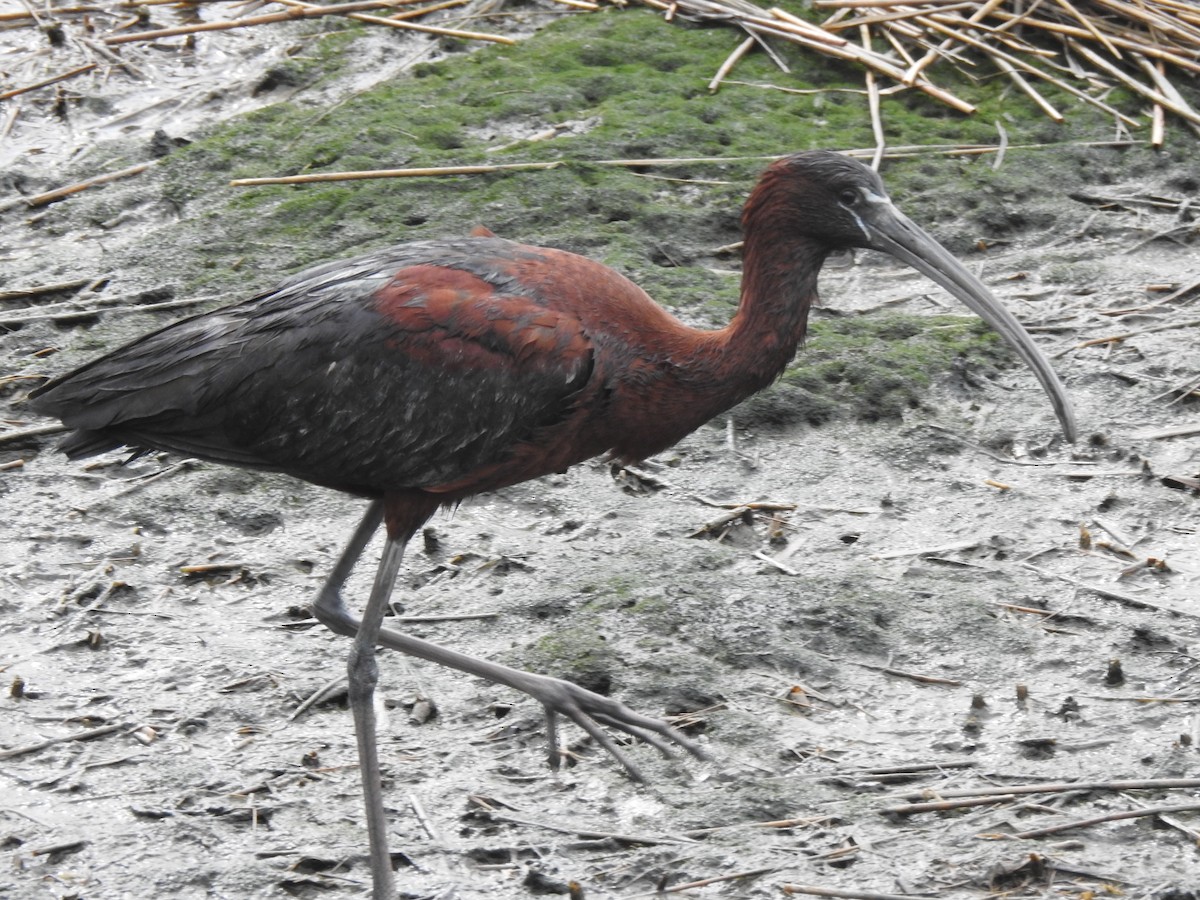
590,711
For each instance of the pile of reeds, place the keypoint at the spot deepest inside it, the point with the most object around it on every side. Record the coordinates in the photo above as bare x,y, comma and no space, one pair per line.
1080,47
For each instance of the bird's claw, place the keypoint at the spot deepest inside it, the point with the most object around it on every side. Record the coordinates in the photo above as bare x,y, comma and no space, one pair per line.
590,711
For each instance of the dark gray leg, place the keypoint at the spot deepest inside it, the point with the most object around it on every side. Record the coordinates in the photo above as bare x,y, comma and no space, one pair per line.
363,671
583,707
329,607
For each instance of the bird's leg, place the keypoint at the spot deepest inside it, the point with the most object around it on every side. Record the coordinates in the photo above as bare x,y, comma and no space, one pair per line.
329,605
362,668
363,671
585,708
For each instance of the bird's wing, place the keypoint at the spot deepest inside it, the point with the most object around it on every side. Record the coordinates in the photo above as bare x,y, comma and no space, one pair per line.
366,377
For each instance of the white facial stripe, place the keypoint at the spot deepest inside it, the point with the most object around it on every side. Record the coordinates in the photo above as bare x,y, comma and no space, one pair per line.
872,199
861,226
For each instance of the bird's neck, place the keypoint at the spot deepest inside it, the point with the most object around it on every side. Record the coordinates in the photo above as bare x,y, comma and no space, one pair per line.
779,287
715,370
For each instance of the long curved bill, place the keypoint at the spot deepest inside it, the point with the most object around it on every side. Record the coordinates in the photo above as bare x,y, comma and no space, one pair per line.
891,231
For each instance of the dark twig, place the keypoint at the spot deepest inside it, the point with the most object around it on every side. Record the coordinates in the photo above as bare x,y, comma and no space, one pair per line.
591,833
1110,817
705,882
846,894
91,312
8,95
1109,594
1141,784
912,676
63,192
50,742
22,434
908,809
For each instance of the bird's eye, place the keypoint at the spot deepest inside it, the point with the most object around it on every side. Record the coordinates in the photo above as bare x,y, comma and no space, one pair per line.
848,197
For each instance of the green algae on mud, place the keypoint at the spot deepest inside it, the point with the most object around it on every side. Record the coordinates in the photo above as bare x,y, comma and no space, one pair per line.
578,652
873,368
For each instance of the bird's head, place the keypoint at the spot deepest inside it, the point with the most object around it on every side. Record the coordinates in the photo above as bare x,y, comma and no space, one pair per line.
831,202
824,196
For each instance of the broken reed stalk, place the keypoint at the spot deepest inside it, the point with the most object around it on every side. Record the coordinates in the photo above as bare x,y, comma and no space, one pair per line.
843,893
63,192
10,119
1019,80
22,434
398,20
781,824
732,60
1088,26
1136,86
909,809
934,53
907,12
1097,820
911,676
860,4
1124,336
1057,787
783,25
425,10
305,12
91,312
1157,72
8,95
88,735
248,21
312,177
705,882
588,833
896,152
864,32
1124,43
880,64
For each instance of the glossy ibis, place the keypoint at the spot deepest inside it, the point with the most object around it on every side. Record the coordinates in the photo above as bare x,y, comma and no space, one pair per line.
422,374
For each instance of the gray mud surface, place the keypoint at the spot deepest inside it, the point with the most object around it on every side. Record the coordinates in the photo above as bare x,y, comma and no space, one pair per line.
937,616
